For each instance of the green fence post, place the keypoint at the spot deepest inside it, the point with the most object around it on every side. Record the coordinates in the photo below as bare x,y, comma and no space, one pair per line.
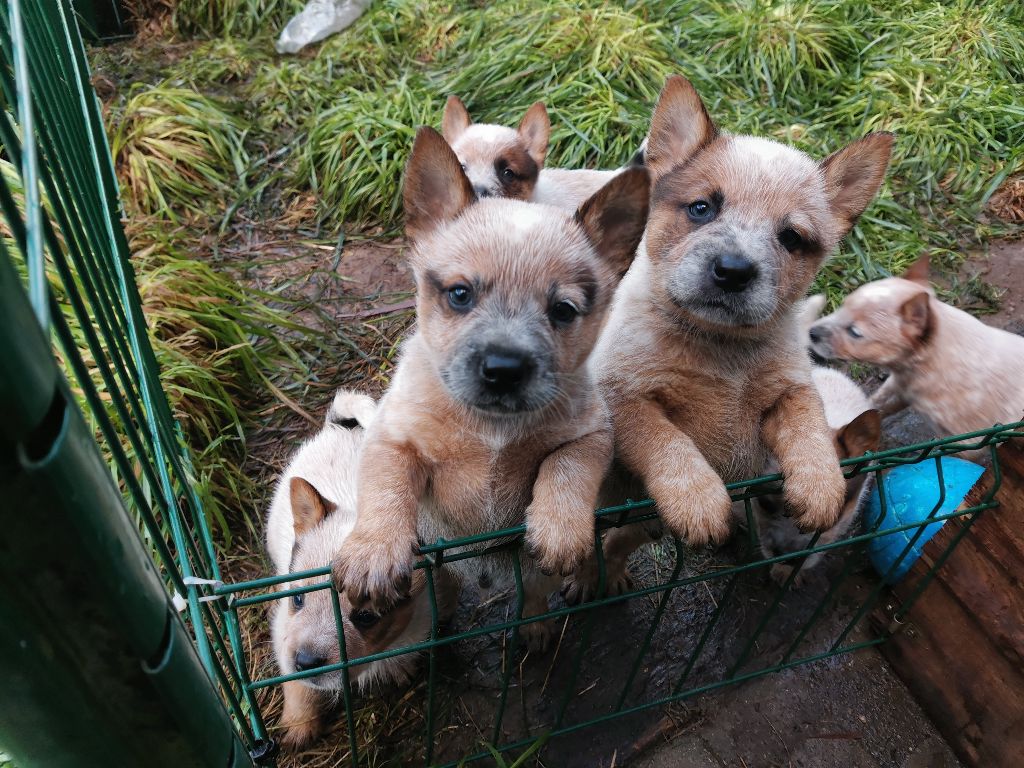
97,668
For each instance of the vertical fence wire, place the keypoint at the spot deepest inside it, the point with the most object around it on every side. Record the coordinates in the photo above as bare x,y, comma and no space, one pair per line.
65,215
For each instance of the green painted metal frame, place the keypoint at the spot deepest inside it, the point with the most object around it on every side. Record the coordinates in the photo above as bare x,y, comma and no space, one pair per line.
64,221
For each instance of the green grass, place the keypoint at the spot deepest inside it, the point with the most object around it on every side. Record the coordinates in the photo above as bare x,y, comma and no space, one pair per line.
211,124
946,77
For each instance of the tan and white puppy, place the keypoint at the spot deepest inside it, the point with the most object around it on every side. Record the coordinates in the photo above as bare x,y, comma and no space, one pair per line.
311,515
944,363
497,159
700,362
492,418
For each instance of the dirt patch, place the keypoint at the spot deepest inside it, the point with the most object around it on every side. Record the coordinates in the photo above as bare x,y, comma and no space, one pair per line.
1002,268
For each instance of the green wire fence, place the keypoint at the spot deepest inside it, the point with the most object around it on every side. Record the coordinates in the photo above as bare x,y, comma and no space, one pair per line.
120,634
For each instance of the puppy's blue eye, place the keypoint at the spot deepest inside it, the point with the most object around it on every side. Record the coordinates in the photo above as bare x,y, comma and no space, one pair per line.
700,211
563,313
854,331
298,601
460,298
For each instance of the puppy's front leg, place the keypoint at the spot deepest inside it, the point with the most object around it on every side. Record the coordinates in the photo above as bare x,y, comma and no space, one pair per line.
795,430
889,398
301,717
691,497
375,562
560,519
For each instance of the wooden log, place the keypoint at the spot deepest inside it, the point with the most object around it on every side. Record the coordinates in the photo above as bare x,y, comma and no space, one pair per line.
962,651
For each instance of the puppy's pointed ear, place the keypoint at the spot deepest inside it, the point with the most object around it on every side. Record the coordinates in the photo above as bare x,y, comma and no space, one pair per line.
679,127
861,435
535,131
854,174
615,216
308,506
436,188
455,120
919,271
916,315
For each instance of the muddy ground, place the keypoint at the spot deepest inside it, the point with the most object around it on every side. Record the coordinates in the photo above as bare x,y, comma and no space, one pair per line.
844,711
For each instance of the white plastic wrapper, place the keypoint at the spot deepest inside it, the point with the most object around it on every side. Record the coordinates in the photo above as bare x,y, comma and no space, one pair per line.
319,19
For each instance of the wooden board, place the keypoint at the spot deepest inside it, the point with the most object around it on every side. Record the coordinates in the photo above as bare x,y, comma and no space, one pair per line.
962,651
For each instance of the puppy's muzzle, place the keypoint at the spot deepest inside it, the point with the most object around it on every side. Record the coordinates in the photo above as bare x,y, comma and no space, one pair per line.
308,659
505,371
732,273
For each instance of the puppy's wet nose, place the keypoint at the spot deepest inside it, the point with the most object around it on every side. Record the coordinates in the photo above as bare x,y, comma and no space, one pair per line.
482,192
307,659
733,273
817,334
504,371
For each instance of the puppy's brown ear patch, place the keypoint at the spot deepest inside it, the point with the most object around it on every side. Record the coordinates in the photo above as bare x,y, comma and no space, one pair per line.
679,127
308,506
861,435
854,174
614,217
535,131
455,120
436,188
919,271
916,316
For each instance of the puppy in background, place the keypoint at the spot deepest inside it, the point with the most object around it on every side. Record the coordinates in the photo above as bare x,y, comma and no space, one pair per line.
492,418
944,363
498,161
507,162
311,515
856,428
701,362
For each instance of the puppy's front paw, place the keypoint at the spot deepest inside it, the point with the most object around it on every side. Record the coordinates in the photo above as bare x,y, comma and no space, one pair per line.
779,574
375,568
559,542
815,495
301,717
581,586
537,636
300,735
695,506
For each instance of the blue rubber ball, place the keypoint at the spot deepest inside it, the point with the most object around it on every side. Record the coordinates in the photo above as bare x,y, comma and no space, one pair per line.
911,494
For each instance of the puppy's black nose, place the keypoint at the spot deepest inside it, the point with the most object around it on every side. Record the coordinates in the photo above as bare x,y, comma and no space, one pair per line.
817,334
733,273
482,192
307,659
504,371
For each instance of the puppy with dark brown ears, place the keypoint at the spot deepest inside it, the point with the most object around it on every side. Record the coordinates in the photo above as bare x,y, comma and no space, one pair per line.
701,363
498,161
507,162
492,418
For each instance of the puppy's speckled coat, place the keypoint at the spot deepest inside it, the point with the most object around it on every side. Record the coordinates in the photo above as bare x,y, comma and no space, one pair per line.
700,362
492,417
944,363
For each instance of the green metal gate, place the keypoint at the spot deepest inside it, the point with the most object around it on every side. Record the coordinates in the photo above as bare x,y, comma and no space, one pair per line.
120,643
